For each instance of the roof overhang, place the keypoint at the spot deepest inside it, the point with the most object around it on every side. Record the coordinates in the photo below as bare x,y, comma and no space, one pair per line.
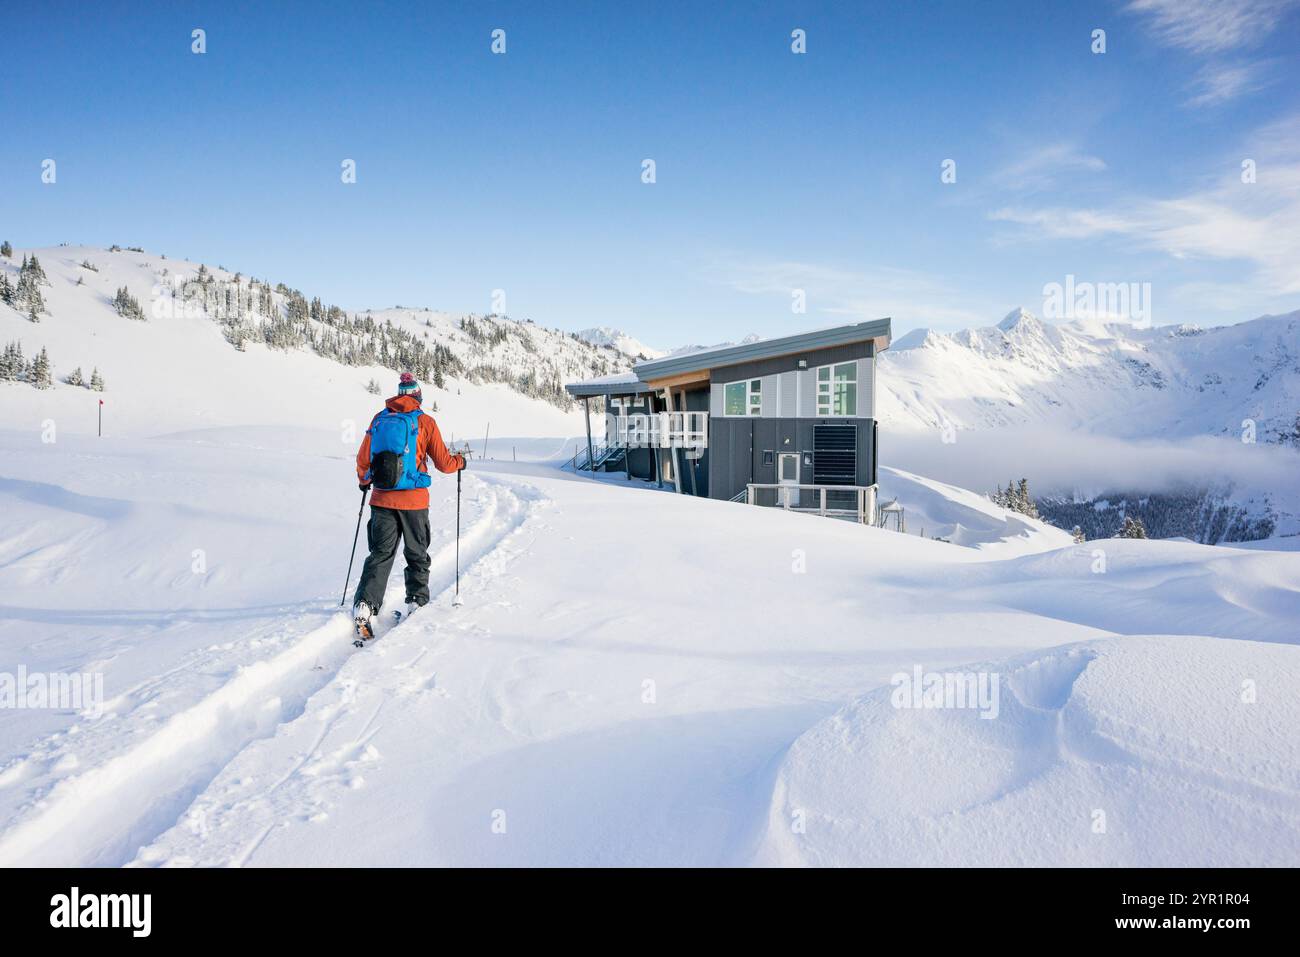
679,368
606,387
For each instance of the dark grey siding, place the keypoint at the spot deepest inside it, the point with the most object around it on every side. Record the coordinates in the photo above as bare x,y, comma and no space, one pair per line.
736,447
697,469
641,464
730,455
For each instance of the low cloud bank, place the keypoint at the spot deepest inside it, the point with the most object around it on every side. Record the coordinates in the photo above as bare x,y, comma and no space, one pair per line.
1058,462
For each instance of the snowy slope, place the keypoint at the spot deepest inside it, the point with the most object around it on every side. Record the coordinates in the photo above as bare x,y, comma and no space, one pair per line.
177,369
602,706
939,510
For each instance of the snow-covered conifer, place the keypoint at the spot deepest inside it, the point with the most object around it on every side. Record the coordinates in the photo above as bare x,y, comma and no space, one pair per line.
1132,528
40,372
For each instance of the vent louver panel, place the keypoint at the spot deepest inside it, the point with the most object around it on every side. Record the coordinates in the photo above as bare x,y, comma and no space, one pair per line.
835,454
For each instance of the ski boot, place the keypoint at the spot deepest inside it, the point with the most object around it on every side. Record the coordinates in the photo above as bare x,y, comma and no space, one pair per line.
403,615
363,621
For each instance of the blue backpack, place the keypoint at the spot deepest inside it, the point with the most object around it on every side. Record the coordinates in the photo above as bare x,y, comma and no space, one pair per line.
394,439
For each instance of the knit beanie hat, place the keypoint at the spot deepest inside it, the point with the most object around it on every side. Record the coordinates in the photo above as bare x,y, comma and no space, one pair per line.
408,385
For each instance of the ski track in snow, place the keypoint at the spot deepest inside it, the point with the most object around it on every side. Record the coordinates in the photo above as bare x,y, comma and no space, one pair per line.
103,815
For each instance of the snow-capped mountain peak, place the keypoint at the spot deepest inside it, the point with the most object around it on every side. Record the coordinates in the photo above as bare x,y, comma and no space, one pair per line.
1018,317
620,341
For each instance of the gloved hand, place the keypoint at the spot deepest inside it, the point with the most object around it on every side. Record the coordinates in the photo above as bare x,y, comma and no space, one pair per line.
364,486
464,462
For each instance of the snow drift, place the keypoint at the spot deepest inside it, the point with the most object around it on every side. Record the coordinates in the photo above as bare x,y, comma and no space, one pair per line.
1136,751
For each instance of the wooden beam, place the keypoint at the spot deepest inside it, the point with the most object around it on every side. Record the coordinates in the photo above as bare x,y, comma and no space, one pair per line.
685,378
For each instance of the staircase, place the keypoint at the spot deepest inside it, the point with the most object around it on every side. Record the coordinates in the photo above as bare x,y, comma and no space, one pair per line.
607,457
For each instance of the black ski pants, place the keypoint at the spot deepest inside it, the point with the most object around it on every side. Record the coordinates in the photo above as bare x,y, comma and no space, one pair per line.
386,526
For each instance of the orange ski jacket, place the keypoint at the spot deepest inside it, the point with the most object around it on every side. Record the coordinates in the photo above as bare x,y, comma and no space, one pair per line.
429,446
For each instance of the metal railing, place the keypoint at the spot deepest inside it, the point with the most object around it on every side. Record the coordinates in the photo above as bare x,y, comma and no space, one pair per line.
665,430
857,502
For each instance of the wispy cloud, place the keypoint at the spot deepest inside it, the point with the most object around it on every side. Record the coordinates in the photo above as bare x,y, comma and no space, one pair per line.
1219,83
907,296
1257,222
1062,222
1212,26
1213,29
1040,168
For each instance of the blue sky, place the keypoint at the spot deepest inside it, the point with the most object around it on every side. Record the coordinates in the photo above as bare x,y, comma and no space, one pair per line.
775,171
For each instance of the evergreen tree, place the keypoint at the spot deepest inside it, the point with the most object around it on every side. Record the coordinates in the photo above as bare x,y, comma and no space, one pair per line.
1133,528
1014,498
96,380
38,274
1077,534
75,378
1024,501
372,387
23,289
28,293
6,290
6,250
40,374
12,363
1293,437
127,305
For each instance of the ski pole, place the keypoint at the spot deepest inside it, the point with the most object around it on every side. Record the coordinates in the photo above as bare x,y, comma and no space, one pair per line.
352,557
456,598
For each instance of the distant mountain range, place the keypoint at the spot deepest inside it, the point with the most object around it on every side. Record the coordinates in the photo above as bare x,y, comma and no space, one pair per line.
637,351
1104,378
618,340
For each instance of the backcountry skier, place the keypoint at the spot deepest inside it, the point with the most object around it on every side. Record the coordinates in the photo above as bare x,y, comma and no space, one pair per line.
392,462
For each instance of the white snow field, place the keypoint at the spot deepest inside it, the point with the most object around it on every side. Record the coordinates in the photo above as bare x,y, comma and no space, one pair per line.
635,677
